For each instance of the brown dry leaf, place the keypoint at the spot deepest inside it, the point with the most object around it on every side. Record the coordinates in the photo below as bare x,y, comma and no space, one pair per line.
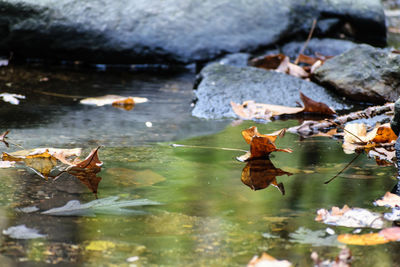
389,200
267,260
91,161
269,62
391,234
259,174
312,106
250,110
350,217
42,163
363,240
384,134
3,137
261,145
87,169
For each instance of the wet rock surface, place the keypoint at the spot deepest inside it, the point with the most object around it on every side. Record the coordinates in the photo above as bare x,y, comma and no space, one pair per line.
363,73
172,30
221,84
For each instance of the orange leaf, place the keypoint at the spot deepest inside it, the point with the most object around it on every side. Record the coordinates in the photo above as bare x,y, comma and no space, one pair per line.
267,260
91,161
127,103
315,107
384,134
363,240
261,145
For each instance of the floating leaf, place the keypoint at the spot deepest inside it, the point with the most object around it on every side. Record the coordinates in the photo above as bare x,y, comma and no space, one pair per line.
267,260
391,234
350,217
42,163
259,174
108,205
389,200
261,145
394,215
363,240
22,232
124,102
11,98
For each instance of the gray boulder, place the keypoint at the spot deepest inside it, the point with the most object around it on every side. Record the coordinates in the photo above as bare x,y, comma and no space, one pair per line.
326,47
363,73
137,31
221,84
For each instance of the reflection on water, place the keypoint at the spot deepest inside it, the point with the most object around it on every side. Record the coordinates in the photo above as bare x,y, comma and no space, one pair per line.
260,173
209,218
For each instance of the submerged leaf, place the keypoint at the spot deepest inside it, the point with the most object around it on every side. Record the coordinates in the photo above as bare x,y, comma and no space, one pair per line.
259,174
315,238
363,240
22,232
100,245
108,205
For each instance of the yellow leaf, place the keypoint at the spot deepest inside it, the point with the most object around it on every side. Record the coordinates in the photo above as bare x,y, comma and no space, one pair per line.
363,240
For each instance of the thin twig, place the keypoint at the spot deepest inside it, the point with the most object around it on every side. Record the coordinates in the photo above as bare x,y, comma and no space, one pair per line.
308,40
327,182
59,95
209,147
341,127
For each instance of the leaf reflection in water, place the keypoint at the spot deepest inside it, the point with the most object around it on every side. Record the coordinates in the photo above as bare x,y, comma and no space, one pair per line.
260,173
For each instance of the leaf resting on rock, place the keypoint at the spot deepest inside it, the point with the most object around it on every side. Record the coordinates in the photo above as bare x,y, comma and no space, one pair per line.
250,110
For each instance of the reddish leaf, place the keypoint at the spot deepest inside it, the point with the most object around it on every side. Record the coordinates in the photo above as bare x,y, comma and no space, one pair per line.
269,62
91,161
392,233
314,106
3,138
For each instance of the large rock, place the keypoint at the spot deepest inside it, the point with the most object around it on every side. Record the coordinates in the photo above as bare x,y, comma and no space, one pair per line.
174,30
363,73
325,47
221,84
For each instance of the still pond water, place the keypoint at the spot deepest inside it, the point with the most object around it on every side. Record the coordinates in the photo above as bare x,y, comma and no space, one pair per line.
207,216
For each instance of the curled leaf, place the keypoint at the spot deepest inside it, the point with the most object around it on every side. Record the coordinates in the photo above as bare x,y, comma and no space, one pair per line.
261,145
